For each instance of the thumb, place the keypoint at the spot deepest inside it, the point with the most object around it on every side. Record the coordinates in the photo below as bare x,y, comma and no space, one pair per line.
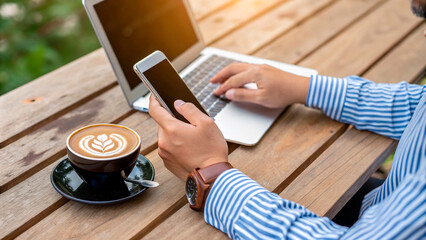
243,95
189,111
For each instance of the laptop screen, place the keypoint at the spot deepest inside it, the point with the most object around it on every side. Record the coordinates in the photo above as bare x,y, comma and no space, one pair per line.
136,28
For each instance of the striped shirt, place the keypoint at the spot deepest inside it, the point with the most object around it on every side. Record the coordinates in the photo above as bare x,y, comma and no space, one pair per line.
243,209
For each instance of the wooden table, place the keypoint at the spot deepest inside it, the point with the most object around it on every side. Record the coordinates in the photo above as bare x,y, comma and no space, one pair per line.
305,156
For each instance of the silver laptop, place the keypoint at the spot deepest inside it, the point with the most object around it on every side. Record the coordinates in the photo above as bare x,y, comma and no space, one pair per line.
130,30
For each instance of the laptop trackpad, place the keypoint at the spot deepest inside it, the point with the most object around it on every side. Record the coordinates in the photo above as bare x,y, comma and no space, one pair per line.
245,123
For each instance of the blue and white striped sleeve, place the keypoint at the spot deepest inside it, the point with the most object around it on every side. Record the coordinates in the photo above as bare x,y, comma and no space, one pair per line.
241,208
385,109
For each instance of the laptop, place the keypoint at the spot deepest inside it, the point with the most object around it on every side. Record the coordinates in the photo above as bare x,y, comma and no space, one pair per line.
130,30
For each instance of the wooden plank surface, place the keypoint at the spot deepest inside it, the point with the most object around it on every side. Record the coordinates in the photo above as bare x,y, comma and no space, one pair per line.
43,146
33,199
372,37
53,94
27,203
407,58
298,43
324,189
267,27
203,8
216,26
100,222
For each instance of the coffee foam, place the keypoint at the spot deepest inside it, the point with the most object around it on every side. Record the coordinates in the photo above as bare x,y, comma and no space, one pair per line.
102,145
103,141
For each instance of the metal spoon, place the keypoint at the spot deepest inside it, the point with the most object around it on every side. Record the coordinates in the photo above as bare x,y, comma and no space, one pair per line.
145,183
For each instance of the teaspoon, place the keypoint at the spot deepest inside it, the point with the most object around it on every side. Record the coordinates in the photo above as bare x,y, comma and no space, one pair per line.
145,183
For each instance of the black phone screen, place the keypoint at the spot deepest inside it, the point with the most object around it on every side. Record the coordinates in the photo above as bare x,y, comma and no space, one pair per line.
170,86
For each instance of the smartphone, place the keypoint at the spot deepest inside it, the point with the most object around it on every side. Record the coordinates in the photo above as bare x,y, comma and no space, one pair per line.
162,79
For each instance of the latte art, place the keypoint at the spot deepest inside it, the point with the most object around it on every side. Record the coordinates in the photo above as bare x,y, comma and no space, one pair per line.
102,145
102,141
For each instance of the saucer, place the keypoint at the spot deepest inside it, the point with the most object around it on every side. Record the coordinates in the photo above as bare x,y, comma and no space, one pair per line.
66,181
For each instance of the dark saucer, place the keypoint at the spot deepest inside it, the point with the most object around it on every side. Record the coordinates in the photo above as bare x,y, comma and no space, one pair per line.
66,181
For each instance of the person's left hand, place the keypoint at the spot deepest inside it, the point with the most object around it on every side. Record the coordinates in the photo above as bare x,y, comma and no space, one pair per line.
184,146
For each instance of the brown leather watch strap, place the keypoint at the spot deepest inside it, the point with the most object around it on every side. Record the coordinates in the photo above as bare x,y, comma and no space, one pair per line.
210,173
204,179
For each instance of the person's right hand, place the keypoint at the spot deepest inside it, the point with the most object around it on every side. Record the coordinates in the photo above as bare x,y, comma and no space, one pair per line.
185,146
275,88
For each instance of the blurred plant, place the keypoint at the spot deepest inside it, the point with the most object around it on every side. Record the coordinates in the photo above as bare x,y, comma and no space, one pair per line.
38,36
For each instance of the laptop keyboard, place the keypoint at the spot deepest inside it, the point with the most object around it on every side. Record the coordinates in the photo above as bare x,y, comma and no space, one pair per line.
198,80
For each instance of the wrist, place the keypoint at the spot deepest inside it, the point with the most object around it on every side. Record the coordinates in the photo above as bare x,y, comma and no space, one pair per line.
302,89
212,161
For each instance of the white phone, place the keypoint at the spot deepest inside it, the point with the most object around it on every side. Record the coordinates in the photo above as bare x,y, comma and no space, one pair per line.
162,79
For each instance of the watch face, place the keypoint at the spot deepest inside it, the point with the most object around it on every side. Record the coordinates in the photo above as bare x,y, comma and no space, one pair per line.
191,190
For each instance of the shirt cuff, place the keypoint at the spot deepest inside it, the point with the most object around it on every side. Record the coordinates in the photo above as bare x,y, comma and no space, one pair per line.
228,196
327,94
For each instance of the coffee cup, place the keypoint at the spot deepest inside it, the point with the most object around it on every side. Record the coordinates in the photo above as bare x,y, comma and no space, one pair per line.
103,154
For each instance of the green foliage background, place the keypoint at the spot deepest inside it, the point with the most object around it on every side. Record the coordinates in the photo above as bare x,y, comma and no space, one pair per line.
40,36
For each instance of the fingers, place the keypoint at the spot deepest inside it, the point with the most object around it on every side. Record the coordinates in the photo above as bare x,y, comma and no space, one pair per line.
229,71
158,113
235,81
190,112
243,95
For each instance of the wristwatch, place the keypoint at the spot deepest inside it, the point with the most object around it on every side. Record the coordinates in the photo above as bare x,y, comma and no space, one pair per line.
199,182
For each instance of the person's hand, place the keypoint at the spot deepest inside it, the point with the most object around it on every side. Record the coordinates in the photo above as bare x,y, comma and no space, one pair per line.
184,146
276,88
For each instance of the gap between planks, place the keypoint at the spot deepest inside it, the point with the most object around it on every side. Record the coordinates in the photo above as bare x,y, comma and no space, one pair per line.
287,181
362,16
332,212
34,220
243,23
389,50
420,76
298,23
56,115
37,167
224,4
